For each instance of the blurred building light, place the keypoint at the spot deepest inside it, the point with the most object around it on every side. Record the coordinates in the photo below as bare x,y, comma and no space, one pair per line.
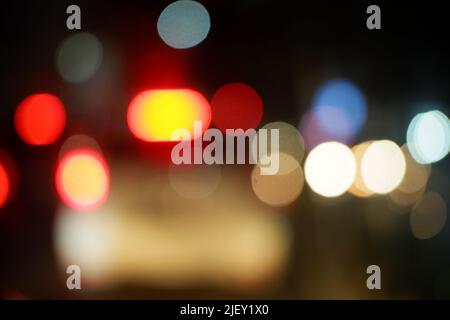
40,119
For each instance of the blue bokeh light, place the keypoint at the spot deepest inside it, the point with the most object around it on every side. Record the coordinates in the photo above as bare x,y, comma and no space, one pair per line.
340,109
184,24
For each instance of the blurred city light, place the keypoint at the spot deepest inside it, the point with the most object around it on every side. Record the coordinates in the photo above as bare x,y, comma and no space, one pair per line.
40,119
340,109
79,57
290,140
141,223
87,240
79,141
153,115
383,166
82,179
428,216
416,174
358,187
403,201
428,137
282,188
184,24
236,106
413,186
330,169
4,185
149,234
311,131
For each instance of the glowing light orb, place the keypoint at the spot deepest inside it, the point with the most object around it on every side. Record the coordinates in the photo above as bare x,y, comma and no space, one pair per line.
184,24
428,216
4,185
290,140
79,57
330,169
416,174
236,106
282,188
340,109
82,179
428,137
89,239
312,132
79,141
40,119
383,166
154,115
358,187
402,200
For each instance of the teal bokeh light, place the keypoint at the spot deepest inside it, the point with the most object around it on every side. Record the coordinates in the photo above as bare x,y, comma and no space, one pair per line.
428,137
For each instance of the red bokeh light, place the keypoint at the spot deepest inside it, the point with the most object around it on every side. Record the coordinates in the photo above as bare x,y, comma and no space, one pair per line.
9,178
236,106
40,119
4,185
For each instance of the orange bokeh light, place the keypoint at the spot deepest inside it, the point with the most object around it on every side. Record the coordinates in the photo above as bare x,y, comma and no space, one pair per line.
82,179
40,119
153,115
4,185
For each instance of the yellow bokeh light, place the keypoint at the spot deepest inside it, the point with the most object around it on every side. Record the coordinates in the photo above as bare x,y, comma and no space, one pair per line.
402,200
282,188
416,175
154,115
383,166
330,169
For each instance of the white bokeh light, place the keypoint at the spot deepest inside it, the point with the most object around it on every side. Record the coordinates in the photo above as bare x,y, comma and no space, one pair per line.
383,166
330,169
